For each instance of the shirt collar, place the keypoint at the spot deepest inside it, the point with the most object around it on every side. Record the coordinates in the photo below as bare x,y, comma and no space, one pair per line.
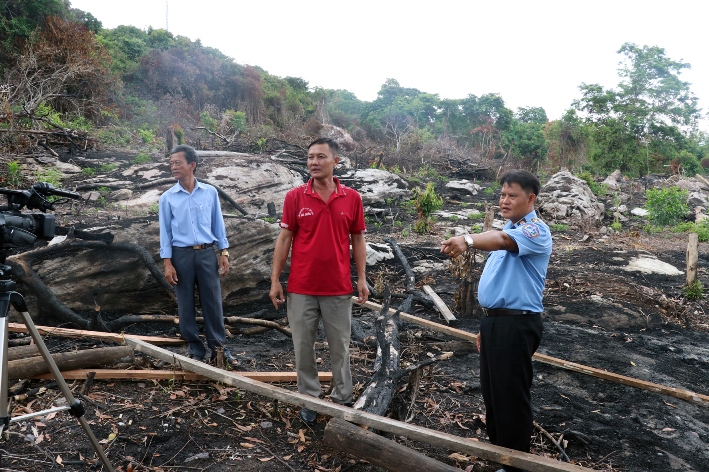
527,217
339,188
179,188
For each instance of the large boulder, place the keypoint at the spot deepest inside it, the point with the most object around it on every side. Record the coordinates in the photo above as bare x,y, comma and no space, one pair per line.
109,280
376,185
567,199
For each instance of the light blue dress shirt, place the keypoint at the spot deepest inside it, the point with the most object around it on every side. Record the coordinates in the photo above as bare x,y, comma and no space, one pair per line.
188,219
515,280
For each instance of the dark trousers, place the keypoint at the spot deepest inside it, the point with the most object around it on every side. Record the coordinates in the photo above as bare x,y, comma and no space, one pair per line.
199,267
507,346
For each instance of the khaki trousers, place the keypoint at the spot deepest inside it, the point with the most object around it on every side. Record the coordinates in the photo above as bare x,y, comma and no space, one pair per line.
304,311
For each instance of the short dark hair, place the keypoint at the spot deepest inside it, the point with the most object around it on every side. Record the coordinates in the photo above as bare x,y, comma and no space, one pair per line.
528,181
190,153
334,147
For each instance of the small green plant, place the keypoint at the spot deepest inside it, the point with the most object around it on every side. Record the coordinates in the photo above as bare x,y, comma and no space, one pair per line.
426,203
491,189
694,291
454,218
702,229
105,168
88,172
49,175
146,135
559,227
153,209
666,206
598,190
405,233
141,158
398,223
476,215
616,226
269,219
103,190
207,121
14,174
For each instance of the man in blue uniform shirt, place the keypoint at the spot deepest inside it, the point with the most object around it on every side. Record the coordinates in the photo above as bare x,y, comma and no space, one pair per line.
510,294
191,224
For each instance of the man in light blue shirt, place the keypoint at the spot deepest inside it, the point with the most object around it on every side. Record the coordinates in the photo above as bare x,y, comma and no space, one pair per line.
191,224
510,294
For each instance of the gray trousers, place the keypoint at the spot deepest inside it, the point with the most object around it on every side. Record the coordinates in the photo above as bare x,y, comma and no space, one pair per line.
304,311
199,267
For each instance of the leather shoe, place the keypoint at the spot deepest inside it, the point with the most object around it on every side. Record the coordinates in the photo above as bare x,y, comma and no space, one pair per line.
308,416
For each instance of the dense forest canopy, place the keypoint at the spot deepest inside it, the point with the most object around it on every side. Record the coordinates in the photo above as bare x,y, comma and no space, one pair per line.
62,72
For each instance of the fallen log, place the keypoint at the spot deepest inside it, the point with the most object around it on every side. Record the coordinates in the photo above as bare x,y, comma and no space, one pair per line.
80,333
410,278
24,368
580,368
500,455
375,449
22,352
149,374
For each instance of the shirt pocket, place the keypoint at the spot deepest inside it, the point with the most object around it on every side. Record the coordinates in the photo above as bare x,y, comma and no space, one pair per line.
204,213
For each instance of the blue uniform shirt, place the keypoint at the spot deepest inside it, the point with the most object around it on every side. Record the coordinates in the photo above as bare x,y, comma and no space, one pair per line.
515,280
188,219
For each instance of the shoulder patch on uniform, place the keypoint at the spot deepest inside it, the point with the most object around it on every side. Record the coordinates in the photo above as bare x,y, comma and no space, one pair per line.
530,230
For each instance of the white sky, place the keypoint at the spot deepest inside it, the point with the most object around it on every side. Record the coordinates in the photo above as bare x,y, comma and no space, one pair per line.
531,52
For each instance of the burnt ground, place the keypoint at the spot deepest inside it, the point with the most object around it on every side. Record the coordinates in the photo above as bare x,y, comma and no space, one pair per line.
598,314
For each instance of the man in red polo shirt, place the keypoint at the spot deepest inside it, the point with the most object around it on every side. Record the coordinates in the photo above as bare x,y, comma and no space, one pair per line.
319,219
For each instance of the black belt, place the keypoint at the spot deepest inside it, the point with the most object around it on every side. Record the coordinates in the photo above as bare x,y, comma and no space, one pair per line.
197,246
507,312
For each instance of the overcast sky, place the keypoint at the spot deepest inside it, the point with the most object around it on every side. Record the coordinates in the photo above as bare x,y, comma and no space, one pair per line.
533,53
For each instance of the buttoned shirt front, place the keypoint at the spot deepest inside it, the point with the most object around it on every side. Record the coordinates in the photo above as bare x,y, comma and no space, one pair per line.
188,219
320,254
515,279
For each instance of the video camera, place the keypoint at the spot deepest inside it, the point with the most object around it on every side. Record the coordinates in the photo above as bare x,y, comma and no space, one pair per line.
18,229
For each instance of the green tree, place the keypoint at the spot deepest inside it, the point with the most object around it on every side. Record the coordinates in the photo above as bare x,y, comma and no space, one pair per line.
650,107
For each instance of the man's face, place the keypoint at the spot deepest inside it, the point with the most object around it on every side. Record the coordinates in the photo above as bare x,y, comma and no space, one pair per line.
321,161
515,203
179,167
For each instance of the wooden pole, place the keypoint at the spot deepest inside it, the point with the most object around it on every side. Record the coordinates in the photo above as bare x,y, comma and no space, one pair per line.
440,305
692,258
602,374
385,453
82,333
80,374
500,455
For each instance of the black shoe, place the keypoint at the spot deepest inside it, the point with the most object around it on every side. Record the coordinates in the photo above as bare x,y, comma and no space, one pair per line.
308,416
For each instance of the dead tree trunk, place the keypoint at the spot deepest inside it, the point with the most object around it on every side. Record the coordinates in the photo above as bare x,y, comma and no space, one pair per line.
26,368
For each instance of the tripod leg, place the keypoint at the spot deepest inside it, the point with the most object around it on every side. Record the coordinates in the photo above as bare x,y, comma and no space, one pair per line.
4,385
77,409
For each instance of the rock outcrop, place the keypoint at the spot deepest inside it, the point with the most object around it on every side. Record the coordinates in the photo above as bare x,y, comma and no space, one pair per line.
567,199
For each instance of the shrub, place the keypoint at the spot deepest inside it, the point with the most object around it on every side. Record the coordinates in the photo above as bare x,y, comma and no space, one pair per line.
598,190
559,227
14,174
702,229
616,226
146,135
88,172
49,175
694,291
476,215
105,168
141,158
426,203
666,206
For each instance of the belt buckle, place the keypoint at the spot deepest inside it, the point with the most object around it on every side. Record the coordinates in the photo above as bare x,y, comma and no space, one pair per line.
484,311
197,246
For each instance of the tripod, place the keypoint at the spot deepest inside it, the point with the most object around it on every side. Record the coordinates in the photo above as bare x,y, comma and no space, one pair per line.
9,296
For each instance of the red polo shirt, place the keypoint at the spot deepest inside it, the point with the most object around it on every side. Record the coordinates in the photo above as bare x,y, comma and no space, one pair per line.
320,254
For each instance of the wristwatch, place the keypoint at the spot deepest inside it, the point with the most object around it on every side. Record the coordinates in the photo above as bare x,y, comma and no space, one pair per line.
469,240
224,252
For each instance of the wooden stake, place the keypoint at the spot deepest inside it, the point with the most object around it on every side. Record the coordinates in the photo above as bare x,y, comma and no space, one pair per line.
81,333
440,305
692,258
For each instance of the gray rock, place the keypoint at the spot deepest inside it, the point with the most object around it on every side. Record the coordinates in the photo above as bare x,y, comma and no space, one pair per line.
462,187
568,199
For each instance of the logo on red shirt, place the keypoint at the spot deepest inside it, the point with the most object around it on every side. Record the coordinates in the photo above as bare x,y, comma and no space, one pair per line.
305,212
